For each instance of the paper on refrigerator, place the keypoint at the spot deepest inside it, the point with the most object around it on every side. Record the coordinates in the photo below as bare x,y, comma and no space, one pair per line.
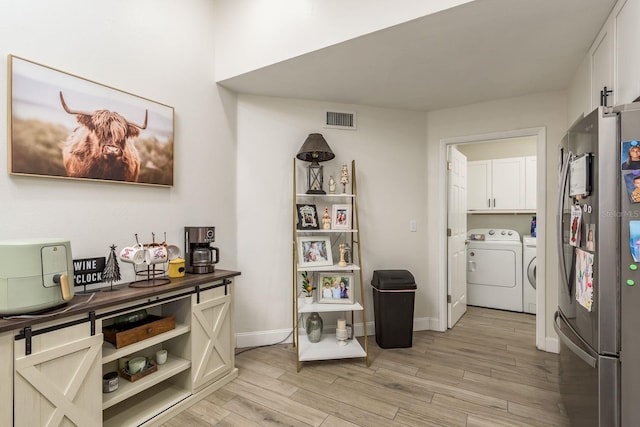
584,278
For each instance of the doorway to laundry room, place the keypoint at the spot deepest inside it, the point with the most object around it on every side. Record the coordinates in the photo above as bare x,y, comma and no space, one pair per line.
502,220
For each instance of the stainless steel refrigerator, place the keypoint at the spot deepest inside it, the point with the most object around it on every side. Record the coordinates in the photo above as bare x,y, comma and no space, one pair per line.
598,318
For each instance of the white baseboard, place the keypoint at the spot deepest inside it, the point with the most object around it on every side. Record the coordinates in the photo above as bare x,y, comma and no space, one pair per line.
552,345
262,338
281,336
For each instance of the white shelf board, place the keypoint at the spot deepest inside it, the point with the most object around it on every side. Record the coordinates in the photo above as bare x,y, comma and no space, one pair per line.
303,307
327,196
334,267
328,348
127,389
506,211
109,351
145,405
320,231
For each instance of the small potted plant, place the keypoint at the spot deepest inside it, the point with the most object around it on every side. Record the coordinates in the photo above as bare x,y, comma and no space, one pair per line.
307,287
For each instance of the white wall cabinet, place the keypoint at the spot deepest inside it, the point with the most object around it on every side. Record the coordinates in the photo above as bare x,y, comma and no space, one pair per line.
479,192
497,185
602,60
613,56
626,58
530,182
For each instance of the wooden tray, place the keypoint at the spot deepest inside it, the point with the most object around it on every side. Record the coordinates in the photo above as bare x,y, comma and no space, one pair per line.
150,368
124,335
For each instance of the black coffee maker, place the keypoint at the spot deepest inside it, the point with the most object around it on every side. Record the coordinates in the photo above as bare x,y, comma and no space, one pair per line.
200,256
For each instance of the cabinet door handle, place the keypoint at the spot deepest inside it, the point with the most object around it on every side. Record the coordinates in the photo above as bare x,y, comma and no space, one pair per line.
488,203
494,202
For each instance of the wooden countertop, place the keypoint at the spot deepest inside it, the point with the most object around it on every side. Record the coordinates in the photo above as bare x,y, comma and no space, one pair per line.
84,303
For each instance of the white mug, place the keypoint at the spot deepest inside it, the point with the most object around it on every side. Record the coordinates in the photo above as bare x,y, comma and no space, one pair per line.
134,254
173,251
161,357
156,254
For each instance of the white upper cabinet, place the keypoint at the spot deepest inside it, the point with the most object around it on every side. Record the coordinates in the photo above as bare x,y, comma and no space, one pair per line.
627,60
479,185
614,58
497,185
508,177
531,177
602,67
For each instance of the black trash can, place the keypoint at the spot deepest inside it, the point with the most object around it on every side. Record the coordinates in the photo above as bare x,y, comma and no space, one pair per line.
393,298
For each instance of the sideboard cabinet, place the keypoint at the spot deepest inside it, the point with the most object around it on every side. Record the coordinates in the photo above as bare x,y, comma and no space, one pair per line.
57,366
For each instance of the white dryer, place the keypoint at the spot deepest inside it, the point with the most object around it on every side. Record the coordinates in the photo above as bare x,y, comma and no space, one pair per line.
494,269
529,274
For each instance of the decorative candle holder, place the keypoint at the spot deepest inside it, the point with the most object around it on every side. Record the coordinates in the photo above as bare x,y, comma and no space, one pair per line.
341,332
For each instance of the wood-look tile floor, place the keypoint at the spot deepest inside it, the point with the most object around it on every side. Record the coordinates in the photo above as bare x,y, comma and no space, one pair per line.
484,372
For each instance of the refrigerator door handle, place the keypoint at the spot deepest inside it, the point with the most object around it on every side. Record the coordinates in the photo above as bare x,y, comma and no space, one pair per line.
561,197
586,357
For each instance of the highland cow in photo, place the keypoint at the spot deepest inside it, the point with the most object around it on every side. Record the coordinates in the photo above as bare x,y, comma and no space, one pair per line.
102,147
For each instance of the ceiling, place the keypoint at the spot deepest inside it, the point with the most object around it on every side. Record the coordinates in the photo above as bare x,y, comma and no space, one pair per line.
479,51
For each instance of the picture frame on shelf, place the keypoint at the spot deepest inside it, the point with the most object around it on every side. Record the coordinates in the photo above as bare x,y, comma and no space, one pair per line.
341,217
335,288
314,251
307,217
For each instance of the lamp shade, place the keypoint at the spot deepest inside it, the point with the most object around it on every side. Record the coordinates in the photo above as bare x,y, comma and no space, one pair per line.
315,149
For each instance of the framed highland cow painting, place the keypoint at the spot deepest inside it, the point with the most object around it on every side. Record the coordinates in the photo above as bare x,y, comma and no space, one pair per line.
64,126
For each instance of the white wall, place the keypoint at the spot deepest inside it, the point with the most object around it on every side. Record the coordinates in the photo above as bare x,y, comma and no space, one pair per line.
499,149
255,33
548,110
388,147
579,92
157,49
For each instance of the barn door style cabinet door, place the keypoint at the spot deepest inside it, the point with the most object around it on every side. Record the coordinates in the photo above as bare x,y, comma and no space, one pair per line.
57,382
348,233
212,336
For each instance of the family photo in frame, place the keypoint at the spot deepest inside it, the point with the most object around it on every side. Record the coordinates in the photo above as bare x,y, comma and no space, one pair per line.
335,288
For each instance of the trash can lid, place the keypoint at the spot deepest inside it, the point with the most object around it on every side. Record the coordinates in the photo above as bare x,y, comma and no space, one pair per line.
393,279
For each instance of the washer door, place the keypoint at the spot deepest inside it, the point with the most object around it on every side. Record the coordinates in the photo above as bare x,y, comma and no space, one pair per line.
531,273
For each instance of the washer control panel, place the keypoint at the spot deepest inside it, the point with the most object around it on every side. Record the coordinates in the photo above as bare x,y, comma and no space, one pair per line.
493,235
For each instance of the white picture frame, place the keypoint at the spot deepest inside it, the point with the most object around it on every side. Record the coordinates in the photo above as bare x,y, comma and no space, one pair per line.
335,288
314,251
341,217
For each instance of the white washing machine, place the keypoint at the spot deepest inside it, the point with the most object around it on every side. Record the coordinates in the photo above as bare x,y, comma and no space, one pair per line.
529,274
494,269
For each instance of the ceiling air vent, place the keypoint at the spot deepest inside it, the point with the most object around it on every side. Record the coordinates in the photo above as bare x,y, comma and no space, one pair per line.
340,120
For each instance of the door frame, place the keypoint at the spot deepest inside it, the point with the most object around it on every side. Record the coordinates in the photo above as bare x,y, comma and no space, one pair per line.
540,134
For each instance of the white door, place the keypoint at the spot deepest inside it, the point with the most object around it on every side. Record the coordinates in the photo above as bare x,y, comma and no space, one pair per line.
457,235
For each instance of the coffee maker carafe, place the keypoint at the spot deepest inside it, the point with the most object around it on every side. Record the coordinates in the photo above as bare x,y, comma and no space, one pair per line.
200,256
